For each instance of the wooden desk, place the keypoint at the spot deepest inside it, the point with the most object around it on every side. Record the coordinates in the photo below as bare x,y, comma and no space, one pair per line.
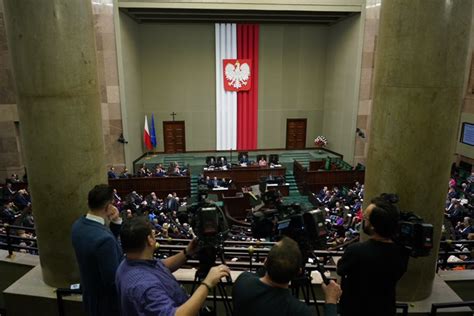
313,181
162,186
246,176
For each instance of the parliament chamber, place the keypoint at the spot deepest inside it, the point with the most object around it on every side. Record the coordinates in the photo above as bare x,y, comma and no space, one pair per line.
308,109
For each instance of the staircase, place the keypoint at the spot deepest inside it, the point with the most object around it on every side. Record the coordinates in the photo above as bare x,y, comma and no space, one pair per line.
194,185
295,195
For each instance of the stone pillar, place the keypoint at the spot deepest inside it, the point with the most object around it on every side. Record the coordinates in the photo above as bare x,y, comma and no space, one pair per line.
54,63
420,69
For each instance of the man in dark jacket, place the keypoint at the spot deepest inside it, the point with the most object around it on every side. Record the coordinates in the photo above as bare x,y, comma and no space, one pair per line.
98,252
371,269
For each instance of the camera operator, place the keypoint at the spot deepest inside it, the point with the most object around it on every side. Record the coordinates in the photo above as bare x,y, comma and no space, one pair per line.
270,294
146,286
370,270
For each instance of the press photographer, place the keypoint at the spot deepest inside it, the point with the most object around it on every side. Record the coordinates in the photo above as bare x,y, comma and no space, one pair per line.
146,286
370,270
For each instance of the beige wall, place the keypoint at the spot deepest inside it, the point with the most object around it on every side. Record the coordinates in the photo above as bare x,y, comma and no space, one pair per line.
131,88
342,82
291,80
178,75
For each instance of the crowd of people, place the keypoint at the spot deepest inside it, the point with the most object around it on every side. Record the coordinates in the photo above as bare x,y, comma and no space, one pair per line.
173,169
120,274
140,283
162,213
459,210
213,183
222,163
16,209
343,208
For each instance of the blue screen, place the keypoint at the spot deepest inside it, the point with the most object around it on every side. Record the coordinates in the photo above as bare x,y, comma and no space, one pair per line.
467,136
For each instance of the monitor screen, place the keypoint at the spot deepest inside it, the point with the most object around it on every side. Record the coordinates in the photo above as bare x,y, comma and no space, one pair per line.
467,134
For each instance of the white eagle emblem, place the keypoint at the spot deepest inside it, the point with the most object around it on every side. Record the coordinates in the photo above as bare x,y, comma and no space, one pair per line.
237,74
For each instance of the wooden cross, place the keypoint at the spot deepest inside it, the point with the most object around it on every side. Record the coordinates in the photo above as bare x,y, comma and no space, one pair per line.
173,114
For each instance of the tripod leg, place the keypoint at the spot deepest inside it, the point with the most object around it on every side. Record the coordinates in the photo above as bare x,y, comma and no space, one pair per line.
195,282
214,300
225,299
313,296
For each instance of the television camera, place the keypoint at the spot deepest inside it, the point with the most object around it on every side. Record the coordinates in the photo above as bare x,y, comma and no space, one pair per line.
413,233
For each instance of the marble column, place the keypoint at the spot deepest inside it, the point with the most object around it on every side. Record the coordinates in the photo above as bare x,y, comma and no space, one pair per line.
54,63
420,72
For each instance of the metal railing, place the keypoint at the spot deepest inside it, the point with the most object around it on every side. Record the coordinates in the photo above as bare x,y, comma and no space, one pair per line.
436,306
11,242
446,249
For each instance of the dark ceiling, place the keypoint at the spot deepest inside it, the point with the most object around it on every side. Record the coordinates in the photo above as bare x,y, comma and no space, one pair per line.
148,15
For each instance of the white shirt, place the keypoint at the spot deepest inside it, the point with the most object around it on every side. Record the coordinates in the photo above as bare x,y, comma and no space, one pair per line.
95,218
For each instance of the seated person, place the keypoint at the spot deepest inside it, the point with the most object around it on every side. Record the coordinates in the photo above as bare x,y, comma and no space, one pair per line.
153,203
171,203
174,169
8,214
143,171
124,174
262,162
214,183
225,182
159,171
244,159
117,200
202,180
211,162
465,228
111,174
145,286
22,199
13,179
222,162
273,159
28,220
8,191
270,294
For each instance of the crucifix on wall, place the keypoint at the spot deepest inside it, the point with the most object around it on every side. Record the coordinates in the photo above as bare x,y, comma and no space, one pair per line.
173,115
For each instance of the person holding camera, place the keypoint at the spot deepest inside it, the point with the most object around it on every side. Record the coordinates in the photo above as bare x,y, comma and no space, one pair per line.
270,294
146,286
370,270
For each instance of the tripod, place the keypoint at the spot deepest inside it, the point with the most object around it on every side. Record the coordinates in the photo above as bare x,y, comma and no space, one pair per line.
207,257
303,283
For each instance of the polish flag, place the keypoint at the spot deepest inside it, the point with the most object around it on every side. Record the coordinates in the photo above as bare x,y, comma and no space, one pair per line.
236,86
146,136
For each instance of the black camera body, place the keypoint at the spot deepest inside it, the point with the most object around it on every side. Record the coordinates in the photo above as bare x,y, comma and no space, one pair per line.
208,222
413,233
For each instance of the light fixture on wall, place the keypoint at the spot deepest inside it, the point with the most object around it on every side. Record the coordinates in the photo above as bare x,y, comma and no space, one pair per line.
121,139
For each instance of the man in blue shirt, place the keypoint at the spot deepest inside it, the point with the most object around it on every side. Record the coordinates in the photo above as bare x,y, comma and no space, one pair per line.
146,286
98,252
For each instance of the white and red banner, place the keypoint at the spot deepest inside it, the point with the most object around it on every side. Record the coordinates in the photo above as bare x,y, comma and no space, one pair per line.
236,86
226,101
